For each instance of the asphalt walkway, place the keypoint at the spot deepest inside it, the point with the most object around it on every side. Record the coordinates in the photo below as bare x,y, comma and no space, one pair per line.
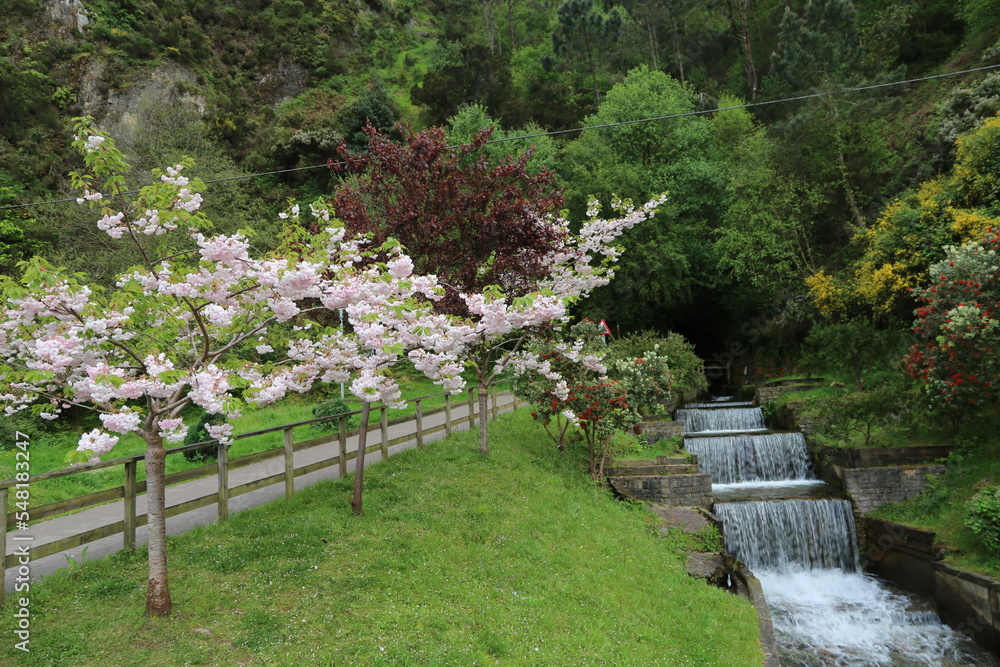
58,528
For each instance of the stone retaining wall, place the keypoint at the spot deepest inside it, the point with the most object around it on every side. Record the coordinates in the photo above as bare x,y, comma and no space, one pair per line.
661,430
674,490
880,456
871,488
773,391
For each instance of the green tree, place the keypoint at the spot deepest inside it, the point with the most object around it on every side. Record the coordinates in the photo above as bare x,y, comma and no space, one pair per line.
465,125
840,141
373,107
584,32
669,259
766,238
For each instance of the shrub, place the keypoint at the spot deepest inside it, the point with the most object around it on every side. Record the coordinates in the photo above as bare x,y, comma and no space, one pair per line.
647,379
330,408
687,368
958,329
200,434
984,517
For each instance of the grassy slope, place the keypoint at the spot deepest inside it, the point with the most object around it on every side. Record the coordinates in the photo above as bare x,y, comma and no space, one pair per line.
460,559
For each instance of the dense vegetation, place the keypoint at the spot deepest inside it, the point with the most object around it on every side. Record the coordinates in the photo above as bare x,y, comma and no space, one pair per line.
760,199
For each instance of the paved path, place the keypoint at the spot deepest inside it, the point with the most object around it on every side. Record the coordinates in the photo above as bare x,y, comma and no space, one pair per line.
57,528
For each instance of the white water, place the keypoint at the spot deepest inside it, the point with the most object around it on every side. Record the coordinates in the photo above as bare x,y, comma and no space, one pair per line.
732,419
721,402
826,612
791,535
831,617
752,458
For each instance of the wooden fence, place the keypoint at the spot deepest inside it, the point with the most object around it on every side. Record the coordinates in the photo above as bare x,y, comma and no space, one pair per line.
132,487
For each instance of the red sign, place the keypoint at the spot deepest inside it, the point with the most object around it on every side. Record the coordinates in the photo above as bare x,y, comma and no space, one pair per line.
607,329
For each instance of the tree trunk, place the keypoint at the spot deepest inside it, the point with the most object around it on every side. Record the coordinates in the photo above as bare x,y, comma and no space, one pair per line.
652,43
593,66
605,444
490,23
484,441
158,601
859,219
359,462
743,31
591,462
510,23
676,39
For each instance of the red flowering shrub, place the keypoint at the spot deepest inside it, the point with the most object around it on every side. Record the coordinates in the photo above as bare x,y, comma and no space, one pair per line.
573,390
957,353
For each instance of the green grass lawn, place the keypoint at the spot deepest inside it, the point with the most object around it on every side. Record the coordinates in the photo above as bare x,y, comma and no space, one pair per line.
460,559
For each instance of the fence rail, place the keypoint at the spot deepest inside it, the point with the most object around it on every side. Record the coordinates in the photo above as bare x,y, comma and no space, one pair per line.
131,487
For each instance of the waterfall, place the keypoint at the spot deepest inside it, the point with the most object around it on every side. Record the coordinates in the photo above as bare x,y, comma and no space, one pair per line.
788,535
826,611
752,458
721,419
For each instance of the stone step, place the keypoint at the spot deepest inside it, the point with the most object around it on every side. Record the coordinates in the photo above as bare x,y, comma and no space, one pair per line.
626,471
659,460
673,490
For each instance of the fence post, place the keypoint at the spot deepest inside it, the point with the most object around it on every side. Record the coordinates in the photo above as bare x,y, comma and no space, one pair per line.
130,482
3,541
342,438
447,414
289,464
223,462
496,410
472,409
420,425
384,424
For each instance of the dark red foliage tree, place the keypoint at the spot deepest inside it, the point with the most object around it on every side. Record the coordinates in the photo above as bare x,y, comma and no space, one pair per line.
471,221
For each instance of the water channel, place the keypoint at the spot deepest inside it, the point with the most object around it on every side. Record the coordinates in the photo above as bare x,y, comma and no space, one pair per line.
797,535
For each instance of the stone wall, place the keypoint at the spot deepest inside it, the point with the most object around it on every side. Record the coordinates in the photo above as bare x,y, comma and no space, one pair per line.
661,430
871,488
771,392
675,490
879,456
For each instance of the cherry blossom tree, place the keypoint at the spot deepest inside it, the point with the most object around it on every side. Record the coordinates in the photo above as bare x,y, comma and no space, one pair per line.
191,322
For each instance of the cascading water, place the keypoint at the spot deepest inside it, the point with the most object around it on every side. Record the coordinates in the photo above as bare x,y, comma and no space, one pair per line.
791,534
752,458
716,420
826,612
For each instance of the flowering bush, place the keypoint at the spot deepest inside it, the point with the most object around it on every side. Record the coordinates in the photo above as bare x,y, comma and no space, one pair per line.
957,329
647,379
563,360
569,388
601,409
686,367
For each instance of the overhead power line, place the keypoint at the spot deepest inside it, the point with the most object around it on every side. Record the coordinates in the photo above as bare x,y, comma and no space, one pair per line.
703,112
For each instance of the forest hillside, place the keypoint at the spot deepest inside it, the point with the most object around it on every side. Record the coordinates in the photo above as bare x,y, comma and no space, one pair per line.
773,207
